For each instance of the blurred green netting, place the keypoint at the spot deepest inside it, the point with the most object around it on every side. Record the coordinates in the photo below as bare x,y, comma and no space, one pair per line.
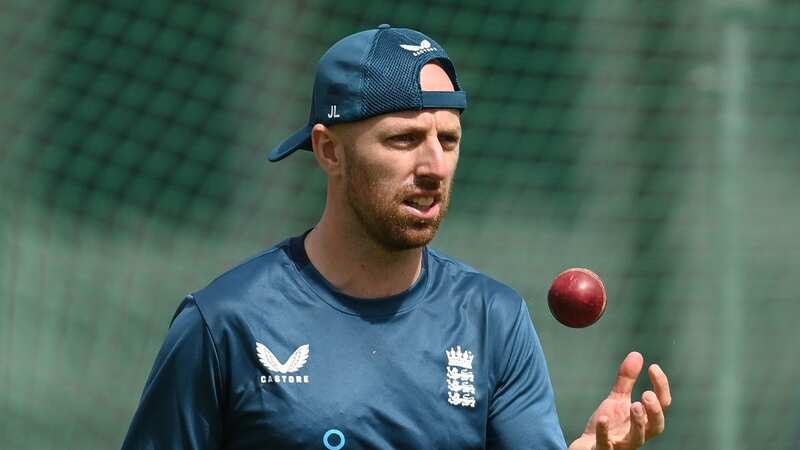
655,142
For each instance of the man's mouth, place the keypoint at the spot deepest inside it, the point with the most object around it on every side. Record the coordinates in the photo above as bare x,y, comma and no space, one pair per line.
421,203
423,207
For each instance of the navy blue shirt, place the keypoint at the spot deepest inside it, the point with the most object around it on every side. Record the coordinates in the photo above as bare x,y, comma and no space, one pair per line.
271,356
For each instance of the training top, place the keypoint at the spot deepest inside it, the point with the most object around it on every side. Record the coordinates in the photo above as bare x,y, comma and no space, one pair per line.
271,356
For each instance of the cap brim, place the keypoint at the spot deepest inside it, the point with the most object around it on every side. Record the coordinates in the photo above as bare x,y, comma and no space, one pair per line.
301,139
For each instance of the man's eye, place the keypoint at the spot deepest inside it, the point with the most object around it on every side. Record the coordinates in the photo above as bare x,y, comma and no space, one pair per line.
449,138
403,138
449,141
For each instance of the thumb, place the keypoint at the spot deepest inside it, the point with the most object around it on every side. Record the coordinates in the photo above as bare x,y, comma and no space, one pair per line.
629,371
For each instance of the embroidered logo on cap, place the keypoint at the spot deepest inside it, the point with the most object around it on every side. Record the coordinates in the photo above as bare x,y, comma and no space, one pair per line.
423,47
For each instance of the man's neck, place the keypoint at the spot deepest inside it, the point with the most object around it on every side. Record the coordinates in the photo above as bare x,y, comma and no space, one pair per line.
358,266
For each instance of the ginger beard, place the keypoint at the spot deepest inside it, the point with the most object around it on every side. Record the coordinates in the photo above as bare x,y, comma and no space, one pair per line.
378,205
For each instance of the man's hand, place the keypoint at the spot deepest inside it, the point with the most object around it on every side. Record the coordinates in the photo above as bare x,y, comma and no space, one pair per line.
618,424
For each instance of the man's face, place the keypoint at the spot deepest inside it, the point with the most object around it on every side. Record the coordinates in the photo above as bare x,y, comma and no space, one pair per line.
399,171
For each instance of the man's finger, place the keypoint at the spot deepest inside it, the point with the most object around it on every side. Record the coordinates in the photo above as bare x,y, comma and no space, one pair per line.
603,443
661,385
655,415
638,423
629,371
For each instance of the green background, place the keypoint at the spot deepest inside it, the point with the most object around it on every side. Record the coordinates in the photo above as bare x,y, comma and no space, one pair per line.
654,142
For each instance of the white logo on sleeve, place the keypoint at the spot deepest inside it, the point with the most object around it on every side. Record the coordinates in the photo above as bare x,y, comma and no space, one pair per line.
460,379
275,367
423,47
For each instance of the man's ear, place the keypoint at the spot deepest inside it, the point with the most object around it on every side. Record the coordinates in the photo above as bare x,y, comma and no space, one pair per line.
328,148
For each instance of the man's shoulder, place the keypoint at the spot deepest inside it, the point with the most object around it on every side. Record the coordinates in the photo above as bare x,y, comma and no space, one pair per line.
252,280
466,278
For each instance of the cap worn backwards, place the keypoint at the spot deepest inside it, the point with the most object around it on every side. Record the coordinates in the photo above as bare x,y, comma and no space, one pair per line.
370,73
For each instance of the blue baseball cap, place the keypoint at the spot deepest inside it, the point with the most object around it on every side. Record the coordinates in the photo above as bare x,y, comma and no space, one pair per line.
370,73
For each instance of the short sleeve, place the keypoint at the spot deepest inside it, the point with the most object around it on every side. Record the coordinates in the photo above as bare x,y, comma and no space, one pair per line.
180,407
522,412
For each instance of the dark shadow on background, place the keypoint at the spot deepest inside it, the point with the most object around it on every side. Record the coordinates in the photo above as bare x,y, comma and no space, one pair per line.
660,146
519,153
135,117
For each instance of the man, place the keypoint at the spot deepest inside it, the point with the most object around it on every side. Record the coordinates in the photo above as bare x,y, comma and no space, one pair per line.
356,334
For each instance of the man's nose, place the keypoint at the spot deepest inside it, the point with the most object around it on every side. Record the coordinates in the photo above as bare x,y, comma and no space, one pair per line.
431,162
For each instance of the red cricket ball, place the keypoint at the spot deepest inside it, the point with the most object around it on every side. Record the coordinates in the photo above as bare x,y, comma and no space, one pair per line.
577,297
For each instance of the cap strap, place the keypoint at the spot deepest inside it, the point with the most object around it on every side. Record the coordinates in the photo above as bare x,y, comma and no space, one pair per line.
444,99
